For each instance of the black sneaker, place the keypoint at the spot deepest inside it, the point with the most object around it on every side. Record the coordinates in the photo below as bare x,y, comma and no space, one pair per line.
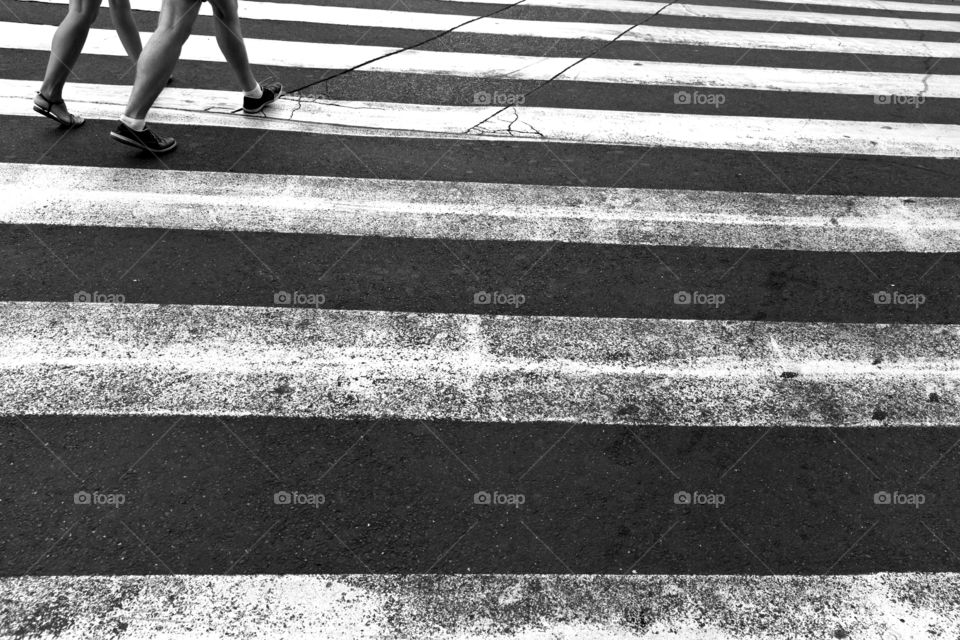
146,139
271,92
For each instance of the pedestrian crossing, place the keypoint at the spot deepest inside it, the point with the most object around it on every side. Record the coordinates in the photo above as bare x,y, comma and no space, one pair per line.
465,367
34,194
567,246
428,21
481,65
534,124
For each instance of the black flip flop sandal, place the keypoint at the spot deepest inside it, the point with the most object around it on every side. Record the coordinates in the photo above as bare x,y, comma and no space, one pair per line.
74,121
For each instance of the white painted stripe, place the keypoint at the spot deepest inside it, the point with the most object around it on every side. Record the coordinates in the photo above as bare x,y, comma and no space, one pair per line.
632,6
277,53
764,78
746,40
200,200
215,360
301,54
374,18
808,17
443,22
792,42
874,5
532,124
741,13
37,37
315,14
531,607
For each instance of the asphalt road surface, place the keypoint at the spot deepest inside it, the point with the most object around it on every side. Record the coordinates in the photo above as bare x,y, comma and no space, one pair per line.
555,318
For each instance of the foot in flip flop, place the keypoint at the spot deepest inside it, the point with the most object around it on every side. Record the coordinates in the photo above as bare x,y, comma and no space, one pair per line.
146,140
271,92
56,110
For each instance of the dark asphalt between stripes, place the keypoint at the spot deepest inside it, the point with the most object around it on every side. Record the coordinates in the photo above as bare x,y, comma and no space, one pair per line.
398,497
36,140
393,274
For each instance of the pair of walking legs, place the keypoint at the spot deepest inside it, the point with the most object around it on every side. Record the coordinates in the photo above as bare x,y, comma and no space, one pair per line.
160,56
163,49
155,62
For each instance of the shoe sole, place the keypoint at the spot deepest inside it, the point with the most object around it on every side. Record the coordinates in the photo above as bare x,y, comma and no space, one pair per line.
46,113
130,142
261,107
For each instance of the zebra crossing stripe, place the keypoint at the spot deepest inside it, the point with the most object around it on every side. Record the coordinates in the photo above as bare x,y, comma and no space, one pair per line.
631,6
530,607
529,124
294,53
216,360
211,201
422,21
482,65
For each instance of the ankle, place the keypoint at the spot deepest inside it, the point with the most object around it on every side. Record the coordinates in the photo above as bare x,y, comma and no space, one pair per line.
137,124
48,96
256,93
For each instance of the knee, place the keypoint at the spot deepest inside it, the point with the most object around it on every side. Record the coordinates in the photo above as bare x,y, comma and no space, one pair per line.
176,20
226,11
87,12
177,32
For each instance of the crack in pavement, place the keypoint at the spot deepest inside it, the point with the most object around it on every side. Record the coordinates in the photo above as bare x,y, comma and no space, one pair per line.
297,91
509,128
300,98
409,47
928,62
478,128
297,108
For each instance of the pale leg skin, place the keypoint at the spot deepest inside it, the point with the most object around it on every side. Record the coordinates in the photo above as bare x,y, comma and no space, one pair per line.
160,54
126,28
230,41
67,44
162,51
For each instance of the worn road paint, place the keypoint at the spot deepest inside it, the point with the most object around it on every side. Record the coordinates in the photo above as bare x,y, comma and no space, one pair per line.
200,200
444,22
632,6
486,65
214,360
890,606
532,124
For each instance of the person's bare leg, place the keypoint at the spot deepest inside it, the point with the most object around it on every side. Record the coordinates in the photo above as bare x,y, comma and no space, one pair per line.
230,40
126,28
160,55
65,49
